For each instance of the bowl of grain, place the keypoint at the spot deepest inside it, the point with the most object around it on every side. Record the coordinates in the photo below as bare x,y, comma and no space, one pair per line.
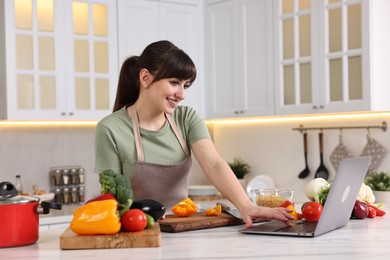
271,197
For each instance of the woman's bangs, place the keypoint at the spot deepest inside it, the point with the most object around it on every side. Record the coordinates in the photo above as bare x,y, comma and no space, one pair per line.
179,66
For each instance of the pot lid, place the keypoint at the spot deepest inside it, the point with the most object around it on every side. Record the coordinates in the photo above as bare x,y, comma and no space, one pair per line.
18,200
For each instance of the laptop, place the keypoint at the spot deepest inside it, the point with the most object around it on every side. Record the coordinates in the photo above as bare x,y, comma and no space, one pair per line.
337,209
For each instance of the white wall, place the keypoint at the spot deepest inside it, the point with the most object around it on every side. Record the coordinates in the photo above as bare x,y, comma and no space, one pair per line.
31,151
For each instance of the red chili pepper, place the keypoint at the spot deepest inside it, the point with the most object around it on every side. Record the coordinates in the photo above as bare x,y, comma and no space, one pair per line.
104,196
371,212
379,212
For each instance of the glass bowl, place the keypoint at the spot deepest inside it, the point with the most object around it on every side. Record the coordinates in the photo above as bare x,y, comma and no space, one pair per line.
271,197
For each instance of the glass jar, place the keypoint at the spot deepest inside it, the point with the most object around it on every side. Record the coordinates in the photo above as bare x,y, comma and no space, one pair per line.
65,177
18,184
81,193
65,195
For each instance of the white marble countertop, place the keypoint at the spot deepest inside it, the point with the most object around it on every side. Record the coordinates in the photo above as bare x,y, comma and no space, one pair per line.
359,239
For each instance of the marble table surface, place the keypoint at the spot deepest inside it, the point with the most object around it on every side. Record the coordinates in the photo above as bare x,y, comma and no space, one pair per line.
359,239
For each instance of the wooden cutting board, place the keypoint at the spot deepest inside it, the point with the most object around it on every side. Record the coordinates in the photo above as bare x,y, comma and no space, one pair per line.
147,238
199,220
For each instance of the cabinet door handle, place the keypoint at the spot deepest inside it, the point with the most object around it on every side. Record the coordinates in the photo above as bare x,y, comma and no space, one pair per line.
63,113
315,107
71,113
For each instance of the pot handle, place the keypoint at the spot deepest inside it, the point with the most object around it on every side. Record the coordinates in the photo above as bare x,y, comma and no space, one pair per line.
47,205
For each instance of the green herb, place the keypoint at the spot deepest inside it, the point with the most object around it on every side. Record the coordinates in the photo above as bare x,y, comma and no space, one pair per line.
323,194
239,167
379,181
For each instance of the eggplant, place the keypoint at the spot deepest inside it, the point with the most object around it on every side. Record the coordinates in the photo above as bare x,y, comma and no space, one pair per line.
150,207
360,210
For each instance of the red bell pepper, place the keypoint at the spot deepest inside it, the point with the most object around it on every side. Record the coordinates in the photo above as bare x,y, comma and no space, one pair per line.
286,204
379,212
371,212
104,196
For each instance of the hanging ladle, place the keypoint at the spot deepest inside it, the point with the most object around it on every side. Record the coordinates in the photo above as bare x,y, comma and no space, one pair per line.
322,171
305,172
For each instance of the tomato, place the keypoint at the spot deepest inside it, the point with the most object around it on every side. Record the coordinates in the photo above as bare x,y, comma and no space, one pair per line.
134,220
312,211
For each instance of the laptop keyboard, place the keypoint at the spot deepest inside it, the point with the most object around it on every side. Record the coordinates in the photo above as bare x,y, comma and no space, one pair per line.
300,227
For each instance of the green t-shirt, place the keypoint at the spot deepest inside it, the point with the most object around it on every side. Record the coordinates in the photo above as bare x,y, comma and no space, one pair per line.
115,144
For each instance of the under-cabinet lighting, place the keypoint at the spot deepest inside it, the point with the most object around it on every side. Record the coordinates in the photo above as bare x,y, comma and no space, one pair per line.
301,118
48,123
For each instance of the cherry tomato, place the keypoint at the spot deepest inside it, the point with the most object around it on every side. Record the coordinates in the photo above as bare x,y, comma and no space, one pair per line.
134,220
312,211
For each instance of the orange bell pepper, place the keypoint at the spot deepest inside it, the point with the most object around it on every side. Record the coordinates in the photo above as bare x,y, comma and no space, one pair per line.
216,211
98,217
185,208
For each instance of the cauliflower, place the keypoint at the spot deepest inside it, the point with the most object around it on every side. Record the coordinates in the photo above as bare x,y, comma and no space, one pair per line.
365,194
314,188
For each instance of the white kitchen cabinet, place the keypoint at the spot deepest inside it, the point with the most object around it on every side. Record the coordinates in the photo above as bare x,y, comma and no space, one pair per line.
59,59
141,22
331,56
239,58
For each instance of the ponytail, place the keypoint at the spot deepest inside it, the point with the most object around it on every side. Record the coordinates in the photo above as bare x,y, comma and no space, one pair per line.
128,84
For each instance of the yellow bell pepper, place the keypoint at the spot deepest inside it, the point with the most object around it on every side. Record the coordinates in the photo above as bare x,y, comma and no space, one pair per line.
98,217
185,208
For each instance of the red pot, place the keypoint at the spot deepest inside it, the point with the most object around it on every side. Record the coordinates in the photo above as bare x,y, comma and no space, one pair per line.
19,219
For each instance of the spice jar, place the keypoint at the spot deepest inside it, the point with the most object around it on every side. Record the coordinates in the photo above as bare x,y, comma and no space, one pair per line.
56,177
73,195
73,177
65,195
65,176
81,175
57,195
81,193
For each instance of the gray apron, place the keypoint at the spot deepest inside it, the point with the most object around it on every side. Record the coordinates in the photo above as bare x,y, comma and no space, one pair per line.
167,184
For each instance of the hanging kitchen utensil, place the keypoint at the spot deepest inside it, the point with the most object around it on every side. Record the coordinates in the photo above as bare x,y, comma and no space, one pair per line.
374,149
322,171
339,153
305,172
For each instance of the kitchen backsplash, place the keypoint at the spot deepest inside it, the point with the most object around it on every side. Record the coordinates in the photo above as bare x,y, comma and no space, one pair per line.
271,148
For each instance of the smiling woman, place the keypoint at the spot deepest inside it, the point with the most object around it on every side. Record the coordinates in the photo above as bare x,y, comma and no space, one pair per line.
149,137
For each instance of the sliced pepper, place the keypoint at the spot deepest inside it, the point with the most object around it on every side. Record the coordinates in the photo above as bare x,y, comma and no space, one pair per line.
185,208
378,211
98,217
216,211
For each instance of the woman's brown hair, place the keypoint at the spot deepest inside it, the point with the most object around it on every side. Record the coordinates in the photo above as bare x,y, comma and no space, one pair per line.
163,59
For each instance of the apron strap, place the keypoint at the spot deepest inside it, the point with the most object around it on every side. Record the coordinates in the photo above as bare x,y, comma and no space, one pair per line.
178,134
137,135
